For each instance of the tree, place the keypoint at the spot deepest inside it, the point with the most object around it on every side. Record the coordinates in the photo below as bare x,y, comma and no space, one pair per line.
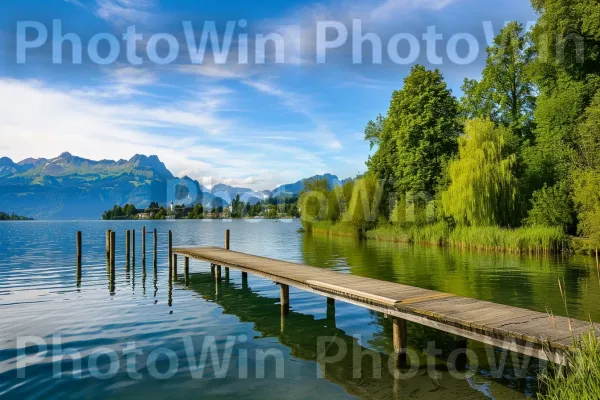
551,206
423,123
586,174
483,185
567,40
314,201
363,209
505,93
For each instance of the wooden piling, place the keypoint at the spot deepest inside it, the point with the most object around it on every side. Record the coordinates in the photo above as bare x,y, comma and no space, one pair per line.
399,338
113,240
285,298
133,247
218,274
155,246
174,269
170,249
186,268
331,323
108,243
78,246
244,279
144,247
227,236
127,245
460,347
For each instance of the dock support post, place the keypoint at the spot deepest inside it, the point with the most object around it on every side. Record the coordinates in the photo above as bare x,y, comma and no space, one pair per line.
285,298
218,275
113,240
186,269
400,334
155,247
170,249
244,280
144,248
78,245
108,244
227,236
174,267
133,247
128,246
460,349
212,269
331,311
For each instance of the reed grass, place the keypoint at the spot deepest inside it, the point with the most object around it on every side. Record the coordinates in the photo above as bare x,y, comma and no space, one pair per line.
580,378
533,240
333,229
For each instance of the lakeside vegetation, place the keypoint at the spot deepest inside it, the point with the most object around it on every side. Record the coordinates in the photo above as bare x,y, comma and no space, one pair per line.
513,165
580,379
13,217
284,207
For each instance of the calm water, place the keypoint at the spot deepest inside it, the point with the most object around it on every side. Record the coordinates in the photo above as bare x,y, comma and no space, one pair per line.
169,322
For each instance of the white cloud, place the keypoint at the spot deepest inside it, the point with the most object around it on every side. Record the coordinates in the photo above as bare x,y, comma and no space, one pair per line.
120,12
189,135
225,71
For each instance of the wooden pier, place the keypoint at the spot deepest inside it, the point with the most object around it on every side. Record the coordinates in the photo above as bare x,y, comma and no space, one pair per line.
523,331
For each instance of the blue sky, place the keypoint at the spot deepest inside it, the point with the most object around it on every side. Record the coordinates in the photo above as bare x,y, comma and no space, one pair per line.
253,125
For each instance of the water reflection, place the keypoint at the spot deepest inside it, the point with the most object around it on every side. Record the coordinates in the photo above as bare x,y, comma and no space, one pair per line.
362,371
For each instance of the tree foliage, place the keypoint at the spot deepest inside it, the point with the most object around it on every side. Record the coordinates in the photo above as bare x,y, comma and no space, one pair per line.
505,93
551,206
418,134
483,185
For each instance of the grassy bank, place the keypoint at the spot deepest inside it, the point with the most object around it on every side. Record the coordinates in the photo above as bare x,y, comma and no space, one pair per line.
521,240
580,379
538,240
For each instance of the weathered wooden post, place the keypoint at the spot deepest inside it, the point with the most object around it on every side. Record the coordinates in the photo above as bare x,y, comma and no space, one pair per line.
113,240
227,236
155,247
174,269
331,312
133,247
218,274
400,334
144,247
186,268
460,347
285,298
78,246
127,246
170,249
108,243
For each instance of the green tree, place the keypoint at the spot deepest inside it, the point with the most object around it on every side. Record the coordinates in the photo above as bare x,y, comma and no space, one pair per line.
586,174
551,206
483,185
505,93
314,202
423,123
363,209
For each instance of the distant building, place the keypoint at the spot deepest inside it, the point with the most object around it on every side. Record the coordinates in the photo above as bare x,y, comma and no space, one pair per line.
172,208
149,215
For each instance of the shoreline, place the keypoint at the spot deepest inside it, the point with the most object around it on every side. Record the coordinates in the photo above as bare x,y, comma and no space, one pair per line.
563,244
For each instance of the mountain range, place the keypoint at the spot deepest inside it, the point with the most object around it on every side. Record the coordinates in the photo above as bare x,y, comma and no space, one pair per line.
73,187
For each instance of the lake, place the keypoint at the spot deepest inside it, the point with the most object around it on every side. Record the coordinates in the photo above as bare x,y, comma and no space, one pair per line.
149,337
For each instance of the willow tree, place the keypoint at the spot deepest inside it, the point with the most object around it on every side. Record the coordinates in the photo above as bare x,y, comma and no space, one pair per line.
483,185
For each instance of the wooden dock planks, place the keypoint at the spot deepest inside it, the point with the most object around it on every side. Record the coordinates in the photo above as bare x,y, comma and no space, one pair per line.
516,329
